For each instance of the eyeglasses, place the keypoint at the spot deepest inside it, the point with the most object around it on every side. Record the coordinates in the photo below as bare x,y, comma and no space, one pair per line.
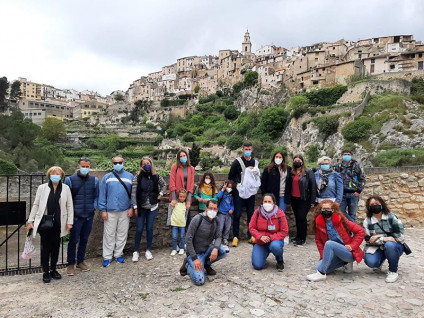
118,163
84,159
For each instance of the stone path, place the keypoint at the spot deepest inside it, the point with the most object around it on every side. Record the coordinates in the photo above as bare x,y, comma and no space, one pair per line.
155,289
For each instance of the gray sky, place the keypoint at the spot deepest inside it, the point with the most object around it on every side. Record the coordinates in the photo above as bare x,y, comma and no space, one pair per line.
104,45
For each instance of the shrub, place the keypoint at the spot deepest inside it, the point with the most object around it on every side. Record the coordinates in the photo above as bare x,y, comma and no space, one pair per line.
272,122
208,161
234,142
312,153
327,125
231,112
296,101
250,78
399,157
165,102
326,96
197,89
207,99
7,167
358,130
299,110
188,137
219,93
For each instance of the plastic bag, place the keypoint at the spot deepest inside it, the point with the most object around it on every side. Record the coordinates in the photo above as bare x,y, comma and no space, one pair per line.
29,249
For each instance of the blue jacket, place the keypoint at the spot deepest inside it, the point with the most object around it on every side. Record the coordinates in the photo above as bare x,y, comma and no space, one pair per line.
85,194
227,202
334,188
113,197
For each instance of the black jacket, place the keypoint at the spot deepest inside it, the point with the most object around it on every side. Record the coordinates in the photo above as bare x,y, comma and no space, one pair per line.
353,176
270,183
307,186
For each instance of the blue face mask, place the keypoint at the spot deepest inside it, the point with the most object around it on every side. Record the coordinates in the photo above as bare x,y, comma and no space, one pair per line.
118,167
247,153
183,160
55,178
347,158
84,171
147,167
325,167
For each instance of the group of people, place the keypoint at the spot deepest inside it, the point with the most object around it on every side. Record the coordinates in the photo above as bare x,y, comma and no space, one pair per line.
331,190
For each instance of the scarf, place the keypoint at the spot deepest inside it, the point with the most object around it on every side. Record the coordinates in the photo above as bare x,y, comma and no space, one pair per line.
269,215
53,205
208,189
323,180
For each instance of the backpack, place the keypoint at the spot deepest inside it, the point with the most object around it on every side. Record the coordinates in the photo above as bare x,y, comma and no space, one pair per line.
250,180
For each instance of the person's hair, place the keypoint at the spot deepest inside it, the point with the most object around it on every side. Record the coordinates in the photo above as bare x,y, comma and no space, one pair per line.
320,160
384,207
247,144
153,170
179,164
86,159
271,195
211,201
283,166
347,151
303,168
228,182
113,158
213,184
336,210
53,169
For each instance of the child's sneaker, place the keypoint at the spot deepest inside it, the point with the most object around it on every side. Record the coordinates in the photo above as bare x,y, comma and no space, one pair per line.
225,242
174,252
181,252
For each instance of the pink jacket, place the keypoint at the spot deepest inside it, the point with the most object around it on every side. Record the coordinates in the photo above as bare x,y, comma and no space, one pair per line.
176,180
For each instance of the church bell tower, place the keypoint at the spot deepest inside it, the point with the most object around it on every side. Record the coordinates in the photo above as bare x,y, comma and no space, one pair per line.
246,45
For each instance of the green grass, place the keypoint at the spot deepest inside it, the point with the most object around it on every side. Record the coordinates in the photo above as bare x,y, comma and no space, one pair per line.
399,157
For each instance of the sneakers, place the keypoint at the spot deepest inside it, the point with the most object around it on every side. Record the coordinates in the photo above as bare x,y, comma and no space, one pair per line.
149,255
46,278
316,277
251,240
174,252
235,242
348,268
106,263
83,267
225,242
280,266
209,270
392,277
55,274
299,243
183,269
70,270
287,240
120,259
135,257
181,252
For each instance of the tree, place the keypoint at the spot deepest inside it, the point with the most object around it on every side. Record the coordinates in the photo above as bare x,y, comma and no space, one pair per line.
231,112
4,86
250,78
15,91
53,129
22,132
195,155
197,89
119,97
272,122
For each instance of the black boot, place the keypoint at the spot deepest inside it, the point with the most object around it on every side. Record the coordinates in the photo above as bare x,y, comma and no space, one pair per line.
46,277
183,269
209,270
55,274
280,266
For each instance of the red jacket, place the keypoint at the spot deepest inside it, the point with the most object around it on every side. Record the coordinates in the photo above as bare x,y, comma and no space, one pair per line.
358,235
258,226
176,180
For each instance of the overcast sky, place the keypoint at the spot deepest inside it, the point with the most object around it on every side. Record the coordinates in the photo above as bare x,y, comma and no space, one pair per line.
104,45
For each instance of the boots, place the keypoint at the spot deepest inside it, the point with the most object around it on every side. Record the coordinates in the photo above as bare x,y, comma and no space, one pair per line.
183,269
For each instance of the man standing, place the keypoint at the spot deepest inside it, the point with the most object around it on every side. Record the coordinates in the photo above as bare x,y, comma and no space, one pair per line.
116,208
236,174
85,195
203,241
353,184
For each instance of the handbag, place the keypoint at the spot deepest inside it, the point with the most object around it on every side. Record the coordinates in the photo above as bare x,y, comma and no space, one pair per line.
47,223
406,248
29,249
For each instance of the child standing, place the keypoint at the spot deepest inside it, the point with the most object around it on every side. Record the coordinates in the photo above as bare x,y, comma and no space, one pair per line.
225,209
178,222
205,191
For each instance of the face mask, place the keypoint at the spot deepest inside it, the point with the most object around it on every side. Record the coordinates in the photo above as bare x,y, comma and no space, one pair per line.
55,178
347,158
375,209
278,161
268,207
297,164
118,167
211,214
247,154
326,213
229,190
84,171
183,160
147,167
207,181
325,167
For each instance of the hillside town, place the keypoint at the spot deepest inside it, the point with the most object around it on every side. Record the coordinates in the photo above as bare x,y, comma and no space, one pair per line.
297,69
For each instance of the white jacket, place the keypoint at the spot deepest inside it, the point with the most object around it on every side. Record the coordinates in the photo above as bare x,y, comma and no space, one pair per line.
40,205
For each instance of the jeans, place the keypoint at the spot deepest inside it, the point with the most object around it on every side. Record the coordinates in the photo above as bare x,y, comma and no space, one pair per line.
239,203
391,251
300,210
178,231
49,248
198,278
260,253
145,215
335,255
188,219
79,233
349,201
281,204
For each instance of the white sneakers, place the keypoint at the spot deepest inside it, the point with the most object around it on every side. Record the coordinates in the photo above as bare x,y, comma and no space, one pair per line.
174,252
392,277
348,268
181,252
135,257
149,255
316,277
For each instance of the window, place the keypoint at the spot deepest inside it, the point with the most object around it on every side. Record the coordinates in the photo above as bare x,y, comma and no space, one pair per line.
315,82
392,67
420,55
316,60
372,61
420,65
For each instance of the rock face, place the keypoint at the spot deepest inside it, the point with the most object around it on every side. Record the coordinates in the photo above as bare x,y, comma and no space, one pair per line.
250,98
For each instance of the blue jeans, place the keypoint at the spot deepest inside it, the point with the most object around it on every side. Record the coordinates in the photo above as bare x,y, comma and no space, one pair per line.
282,205
178,231
349,201
260,253
239,203
144,215
335,255
391,251
80,232
198,278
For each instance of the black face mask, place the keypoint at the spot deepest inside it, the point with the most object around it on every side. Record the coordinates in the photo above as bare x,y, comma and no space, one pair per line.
297,164
326,213
375,209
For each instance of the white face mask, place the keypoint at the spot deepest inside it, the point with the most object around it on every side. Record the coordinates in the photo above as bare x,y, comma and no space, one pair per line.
211,214
229,190
207,181
268,207
278,161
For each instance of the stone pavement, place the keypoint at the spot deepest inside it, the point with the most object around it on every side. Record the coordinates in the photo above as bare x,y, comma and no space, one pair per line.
155,289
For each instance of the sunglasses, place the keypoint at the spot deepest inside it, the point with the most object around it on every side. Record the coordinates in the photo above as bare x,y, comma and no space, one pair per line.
118,163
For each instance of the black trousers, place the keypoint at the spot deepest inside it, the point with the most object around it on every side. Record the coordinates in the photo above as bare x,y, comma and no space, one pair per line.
300,210
50,245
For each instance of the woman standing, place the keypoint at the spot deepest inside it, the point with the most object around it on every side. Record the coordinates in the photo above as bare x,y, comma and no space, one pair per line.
182,177
303,195
329,182
205,191
275,180
147,189
338,240
53,199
